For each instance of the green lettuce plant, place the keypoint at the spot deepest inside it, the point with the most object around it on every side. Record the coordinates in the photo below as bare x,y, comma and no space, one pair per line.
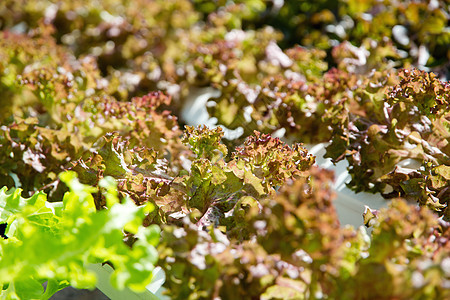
56,241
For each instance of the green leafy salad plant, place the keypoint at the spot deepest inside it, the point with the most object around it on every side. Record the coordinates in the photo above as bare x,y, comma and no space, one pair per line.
54,242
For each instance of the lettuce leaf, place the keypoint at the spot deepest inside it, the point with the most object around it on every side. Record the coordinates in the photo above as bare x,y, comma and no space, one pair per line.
67,236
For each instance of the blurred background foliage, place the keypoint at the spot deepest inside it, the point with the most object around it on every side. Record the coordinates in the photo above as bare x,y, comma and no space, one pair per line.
153,41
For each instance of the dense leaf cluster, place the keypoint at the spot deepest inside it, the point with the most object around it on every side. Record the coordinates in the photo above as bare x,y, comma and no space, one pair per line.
398,143
93,90
299,251
54,242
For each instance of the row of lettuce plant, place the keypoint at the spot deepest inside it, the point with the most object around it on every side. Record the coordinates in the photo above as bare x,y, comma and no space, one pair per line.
155,44
247,218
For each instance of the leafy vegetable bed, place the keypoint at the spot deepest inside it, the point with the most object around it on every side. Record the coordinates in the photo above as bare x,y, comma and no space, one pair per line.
98,167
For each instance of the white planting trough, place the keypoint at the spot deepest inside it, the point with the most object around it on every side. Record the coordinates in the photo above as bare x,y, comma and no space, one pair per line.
153,292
